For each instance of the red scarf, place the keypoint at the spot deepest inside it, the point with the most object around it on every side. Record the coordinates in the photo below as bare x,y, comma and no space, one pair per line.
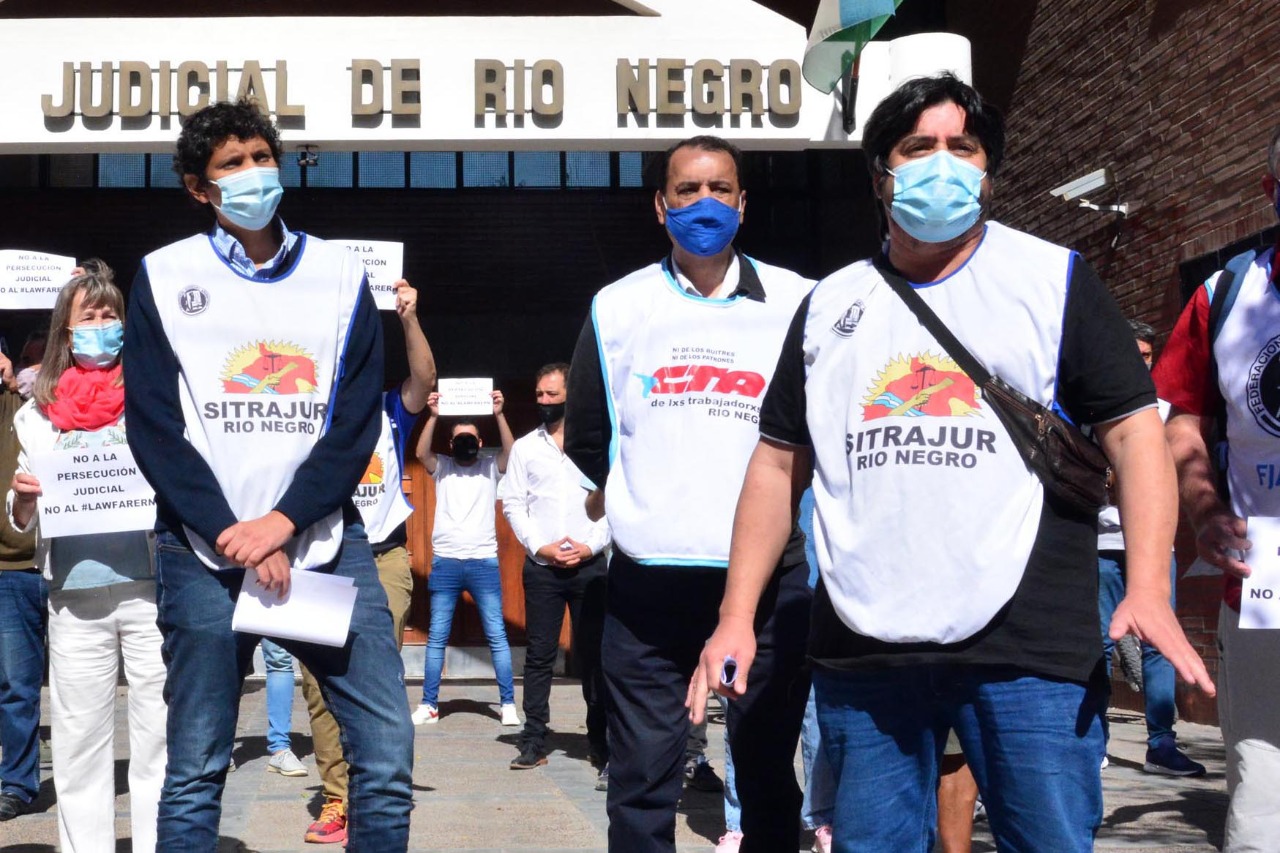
87,399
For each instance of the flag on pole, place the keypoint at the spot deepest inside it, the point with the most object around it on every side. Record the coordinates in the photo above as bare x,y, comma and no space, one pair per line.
840,30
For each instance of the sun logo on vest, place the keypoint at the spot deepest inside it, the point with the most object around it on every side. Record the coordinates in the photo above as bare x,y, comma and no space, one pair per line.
374,474
924,385
269,367
1262,391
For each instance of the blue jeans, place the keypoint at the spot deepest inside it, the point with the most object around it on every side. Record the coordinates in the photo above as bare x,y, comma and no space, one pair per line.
1033,744
449,577
279,665
1157,672
24,612
732,806
819,784
362,683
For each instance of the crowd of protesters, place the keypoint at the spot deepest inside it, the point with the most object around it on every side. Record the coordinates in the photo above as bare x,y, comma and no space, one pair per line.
723,489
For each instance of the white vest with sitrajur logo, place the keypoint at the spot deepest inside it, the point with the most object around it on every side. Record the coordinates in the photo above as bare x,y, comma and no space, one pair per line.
379,497
259,362
685,378
925,512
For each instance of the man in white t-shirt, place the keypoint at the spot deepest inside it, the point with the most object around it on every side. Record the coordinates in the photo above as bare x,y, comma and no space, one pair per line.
464,546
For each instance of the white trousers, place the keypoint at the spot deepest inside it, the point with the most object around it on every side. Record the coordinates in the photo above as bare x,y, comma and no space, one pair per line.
89,630
1249,712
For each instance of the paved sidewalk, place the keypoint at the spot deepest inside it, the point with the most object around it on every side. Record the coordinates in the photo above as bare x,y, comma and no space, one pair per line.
467,798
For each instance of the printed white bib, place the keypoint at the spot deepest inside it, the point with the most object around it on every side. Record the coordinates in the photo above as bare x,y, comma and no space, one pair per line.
685,378
379,497
926,513
1248,355
259,365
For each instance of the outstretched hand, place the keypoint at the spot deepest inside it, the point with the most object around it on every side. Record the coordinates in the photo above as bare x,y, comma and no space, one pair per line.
1148,616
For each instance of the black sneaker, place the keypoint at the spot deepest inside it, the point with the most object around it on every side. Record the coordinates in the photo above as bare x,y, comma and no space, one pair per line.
1165,759
529,758
11,805
602,781
701,776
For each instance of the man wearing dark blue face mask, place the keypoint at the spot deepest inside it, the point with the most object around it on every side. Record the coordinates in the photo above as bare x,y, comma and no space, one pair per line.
955,592
664,398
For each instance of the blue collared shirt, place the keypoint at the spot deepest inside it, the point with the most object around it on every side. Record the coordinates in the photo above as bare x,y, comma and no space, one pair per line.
233,252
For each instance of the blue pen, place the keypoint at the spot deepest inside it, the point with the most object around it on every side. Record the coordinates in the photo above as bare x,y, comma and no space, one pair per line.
728,670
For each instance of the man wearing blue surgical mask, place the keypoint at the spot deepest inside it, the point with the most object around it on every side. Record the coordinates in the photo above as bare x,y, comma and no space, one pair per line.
663,402
255,358
955,592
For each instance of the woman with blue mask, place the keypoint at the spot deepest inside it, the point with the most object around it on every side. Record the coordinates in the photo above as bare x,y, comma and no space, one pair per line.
102,603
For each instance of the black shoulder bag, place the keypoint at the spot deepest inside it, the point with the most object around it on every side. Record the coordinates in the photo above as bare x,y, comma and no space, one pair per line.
1075,472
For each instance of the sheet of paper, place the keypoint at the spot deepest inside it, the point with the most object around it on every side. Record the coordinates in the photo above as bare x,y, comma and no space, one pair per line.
98,490
32,280
1260,599
316,610
460,397
384,264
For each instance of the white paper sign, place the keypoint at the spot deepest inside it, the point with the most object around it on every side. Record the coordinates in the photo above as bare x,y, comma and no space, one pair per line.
317,609
32,279
461,397
383,263
92,490
1260,598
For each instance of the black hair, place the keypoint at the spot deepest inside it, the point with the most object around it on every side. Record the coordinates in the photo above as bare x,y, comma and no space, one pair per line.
554,367
662,170
461,423
208,128
1142,332
896,116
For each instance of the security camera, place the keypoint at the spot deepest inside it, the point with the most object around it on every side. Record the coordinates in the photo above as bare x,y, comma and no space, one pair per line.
1082,186
308,158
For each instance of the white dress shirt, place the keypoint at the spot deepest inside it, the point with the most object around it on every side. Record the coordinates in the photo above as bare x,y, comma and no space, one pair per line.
725,288
543,498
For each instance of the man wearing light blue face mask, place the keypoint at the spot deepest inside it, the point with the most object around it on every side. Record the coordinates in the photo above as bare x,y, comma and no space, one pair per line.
663,403
256,357
955,593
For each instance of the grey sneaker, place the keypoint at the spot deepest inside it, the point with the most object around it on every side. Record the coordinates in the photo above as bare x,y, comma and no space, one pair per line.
286,763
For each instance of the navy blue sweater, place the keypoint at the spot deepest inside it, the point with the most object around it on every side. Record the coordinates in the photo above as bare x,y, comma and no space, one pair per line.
186,490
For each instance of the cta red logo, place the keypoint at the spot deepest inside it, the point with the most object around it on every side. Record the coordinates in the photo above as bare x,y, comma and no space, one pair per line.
686,378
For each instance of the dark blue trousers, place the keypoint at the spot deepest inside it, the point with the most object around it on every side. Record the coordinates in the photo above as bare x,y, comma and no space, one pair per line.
657,620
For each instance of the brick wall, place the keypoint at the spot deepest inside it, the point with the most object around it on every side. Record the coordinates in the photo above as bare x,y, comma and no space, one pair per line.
1177,98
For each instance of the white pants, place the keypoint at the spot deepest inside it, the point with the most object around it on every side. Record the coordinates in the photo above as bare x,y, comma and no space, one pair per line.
1249,712
89,629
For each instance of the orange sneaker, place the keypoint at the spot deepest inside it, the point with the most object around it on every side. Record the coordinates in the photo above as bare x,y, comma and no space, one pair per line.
331,827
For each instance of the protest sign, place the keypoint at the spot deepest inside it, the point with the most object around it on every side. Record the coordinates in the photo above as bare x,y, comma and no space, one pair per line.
462,397
383,263
1260,597
92,490
32,280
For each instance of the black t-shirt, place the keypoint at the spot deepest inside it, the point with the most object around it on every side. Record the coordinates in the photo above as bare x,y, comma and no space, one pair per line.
1050,626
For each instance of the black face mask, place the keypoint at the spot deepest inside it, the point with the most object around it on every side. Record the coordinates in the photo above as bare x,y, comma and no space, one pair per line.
550,413
466,447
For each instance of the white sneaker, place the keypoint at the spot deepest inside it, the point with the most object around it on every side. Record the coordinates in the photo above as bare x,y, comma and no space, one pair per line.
729,842
509,715
425,715
286,763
